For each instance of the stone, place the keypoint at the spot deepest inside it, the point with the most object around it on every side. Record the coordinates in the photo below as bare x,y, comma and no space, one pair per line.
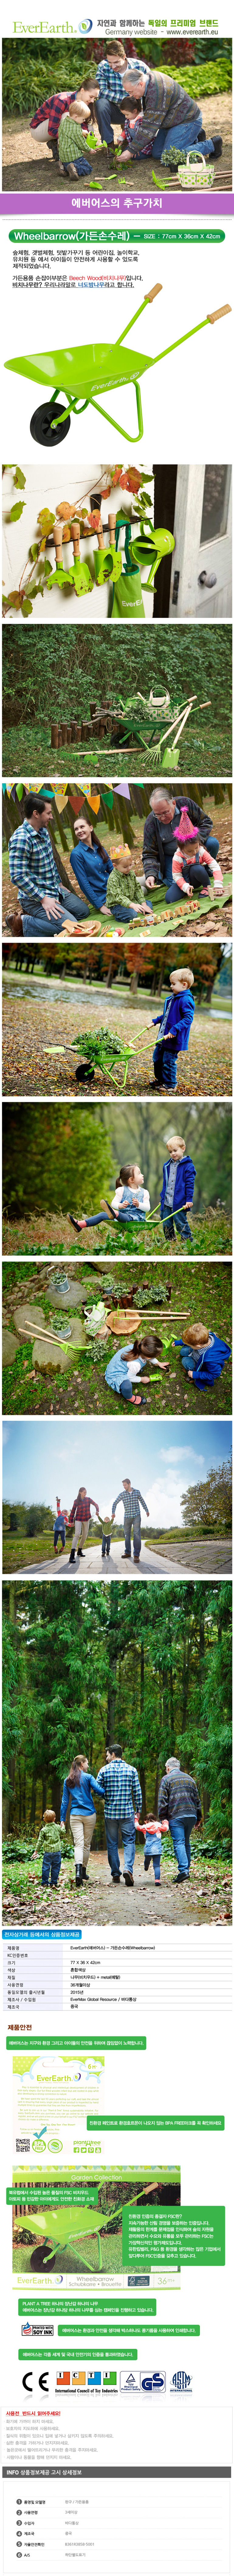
29,1316
9,1348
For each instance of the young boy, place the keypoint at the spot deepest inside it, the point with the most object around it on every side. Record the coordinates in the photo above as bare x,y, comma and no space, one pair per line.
203,1356
179,1175
174,1028
153,1844
124,889
131,1202
107,1526
60,1526
49,1843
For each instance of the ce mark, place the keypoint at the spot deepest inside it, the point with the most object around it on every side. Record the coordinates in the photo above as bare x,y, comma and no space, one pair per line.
43,2382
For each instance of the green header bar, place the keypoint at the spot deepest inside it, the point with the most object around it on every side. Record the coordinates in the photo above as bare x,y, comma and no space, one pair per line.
67,2047
167,2121
71,2355
193,2235
118,233
160,2332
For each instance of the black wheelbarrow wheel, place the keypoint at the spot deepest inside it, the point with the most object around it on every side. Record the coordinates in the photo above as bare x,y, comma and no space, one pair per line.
41,424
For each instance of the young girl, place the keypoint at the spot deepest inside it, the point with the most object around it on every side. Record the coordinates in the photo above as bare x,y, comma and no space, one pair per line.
152,1836
127,1365
191,872
131,1202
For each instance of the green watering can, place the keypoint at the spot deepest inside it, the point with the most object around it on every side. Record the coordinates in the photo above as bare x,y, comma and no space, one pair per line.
94,369
149,549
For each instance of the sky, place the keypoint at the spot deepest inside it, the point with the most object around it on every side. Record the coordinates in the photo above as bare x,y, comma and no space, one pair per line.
41,1459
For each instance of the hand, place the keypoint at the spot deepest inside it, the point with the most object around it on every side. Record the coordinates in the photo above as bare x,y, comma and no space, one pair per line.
51,904
146,908
147,1516
189,1203
190,1372
150,881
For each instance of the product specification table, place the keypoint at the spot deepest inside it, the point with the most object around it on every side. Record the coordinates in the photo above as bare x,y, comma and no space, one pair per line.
32,1975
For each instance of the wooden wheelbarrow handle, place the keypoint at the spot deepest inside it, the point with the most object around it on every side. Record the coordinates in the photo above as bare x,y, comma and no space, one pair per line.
154,290
218,316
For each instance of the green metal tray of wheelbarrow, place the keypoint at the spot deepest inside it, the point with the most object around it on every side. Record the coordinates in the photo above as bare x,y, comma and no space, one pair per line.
80,374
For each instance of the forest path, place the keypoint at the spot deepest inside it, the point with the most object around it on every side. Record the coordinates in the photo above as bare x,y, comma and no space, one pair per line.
205,1897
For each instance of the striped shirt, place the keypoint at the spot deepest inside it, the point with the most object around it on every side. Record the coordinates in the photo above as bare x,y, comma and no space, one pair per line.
121,1789
131,1504
31,861
170,1188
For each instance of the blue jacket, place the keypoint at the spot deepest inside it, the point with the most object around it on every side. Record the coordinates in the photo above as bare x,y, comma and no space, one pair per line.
177,1015
92,869
184,1182
206,1365
81,1801
118,1369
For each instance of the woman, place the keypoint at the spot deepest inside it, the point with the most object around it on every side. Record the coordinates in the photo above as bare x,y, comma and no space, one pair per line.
126,1365
91,865
77,1789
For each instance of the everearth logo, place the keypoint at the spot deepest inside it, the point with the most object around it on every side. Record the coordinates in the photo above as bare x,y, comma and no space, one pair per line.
84,26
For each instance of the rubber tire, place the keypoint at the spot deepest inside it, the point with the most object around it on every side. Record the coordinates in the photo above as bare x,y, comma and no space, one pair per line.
41,425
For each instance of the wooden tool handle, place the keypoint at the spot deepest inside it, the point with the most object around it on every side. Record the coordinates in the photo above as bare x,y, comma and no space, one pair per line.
221,309
100,536
75,537
157,290
111,525
57,538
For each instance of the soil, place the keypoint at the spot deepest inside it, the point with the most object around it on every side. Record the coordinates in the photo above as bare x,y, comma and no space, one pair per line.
27,165
207,1897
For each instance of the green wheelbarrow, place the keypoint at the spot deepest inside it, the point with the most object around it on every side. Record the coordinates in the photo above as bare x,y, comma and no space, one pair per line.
81,374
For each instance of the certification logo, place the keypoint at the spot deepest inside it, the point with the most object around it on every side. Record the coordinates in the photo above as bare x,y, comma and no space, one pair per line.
130,2381
181,2384
153,2383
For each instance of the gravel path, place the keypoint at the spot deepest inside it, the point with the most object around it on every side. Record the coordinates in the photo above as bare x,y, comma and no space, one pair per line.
206,1898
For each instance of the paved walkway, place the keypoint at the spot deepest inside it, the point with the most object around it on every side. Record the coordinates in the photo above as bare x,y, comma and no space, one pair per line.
115,1568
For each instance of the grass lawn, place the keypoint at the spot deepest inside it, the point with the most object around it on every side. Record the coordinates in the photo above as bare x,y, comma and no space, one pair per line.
209,1896
50,1233
81,1389
27,747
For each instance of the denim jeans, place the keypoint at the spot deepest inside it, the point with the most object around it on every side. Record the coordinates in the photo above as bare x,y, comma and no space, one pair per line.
125,1390
155,1856
179,1220
164,1062
136,1537
212,845
128,1833
51,1861
180,1830
182,136
59,1532
107,108
124,912
105,1544
40,925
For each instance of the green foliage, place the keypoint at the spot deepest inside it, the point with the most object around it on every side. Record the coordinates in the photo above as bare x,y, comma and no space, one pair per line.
210,1503
156,1671
31,72
60,1157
